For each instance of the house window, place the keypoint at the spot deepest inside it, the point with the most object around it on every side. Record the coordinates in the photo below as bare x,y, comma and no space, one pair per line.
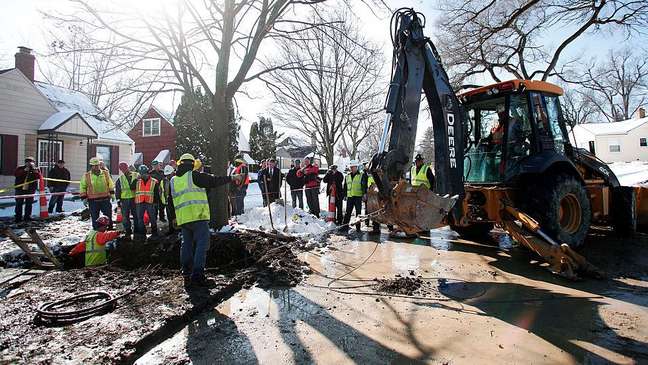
615,148
103,152
151,127
642,142
592,147
49,152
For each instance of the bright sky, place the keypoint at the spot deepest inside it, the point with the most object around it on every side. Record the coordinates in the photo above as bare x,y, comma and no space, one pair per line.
22,24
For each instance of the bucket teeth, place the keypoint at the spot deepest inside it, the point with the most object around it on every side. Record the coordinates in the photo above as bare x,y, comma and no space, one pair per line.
412,209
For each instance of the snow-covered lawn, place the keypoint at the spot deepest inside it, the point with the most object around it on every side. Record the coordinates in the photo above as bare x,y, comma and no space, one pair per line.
631,173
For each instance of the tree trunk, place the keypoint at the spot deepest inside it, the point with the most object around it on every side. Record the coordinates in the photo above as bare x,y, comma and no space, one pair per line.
219,202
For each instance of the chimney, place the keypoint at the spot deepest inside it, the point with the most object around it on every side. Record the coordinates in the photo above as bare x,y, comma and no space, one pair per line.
25,62
640,113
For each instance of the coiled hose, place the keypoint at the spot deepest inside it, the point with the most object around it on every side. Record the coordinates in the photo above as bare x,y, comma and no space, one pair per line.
50,313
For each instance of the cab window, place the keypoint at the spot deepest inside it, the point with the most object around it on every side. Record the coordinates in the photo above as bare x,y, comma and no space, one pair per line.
553,113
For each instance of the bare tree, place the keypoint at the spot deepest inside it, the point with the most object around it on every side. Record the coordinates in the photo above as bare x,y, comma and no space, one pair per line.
334,93
616,87
508,37
119,92
576,106
213,44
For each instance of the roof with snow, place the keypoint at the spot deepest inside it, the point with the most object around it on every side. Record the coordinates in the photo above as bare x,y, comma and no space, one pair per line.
164,113
66,100
243,144
623,127
58,119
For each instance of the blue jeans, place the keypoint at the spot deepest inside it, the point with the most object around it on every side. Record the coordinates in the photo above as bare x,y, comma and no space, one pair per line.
152,214
128,208
195,237
56,200
95,207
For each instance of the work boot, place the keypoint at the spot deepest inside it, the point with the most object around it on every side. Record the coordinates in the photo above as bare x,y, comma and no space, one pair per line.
186,281
343,229
358,226
202,282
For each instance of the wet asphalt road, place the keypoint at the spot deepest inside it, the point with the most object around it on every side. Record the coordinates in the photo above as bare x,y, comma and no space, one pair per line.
484,304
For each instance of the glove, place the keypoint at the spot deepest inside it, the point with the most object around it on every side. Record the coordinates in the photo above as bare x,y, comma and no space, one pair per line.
119,203
364,198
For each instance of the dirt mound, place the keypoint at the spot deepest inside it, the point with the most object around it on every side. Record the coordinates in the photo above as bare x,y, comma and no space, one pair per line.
265,260
399,285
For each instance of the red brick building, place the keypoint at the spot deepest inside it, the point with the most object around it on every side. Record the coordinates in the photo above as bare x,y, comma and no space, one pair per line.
153,134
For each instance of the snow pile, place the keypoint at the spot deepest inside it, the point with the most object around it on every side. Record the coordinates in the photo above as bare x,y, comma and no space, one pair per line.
300,223
631,173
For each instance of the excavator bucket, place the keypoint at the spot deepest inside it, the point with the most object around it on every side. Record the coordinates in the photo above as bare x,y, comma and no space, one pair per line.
412,209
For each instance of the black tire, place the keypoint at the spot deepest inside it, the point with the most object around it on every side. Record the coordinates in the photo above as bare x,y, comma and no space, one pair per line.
562,207
624,210
475,232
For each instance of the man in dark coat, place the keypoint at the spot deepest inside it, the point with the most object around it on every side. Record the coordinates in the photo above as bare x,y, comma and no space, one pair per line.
58,172
334,178
261,181
273,179
26,182
296,182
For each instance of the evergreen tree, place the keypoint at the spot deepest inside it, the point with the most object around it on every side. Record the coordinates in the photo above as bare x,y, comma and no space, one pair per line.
190,138
255,150
426,147
194,121
263,139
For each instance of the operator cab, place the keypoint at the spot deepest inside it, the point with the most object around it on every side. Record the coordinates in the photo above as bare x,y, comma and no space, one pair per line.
507,122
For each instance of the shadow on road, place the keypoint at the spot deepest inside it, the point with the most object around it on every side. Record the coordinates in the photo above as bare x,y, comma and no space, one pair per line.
362,349
559,319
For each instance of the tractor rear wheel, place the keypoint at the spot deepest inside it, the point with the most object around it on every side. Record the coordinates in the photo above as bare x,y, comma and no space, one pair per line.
562,207
477,232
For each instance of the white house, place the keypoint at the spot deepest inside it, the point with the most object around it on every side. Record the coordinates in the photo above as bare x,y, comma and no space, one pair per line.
617,141
51,123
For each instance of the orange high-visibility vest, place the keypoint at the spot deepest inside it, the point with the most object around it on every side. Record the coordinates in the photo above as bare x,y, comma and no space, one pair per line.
144,191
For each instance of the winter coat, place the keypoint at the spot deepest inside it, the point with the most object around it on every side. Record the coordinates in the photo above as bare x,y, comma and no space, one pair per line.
311,173
273,179
61,174
336,178
24,174
294,179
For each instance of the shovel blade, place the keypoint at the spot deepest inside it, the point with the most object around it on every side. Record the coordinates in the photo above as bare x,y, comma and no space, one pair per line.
412,209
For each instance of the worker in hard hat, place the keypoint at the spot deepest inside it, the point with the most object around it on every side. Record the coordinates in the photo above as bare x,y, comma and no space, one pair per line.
97,190
189,199
147,198
126,197
158,174
94,245
165,195
421,173
240,189
354,189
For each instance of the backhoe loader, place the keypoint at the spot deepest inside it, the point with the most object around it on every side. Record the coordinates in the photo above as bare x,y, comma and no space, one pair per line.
502,157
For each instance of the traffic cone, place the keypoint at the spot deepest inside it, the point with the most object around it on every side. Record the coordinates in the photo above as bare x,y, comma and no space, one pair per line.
43,199
331,208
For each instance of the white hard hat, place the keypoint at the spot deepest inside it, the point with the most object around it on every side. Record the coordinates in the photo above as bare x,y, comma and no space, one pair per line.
353,163
168,170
